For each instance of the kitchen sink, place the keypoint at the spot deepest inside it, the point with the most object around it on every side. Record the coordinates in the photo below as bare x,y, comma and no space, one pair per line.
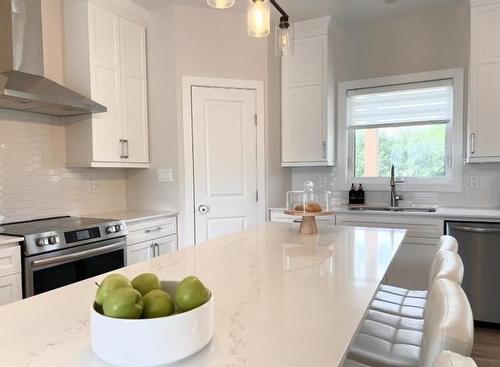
410,209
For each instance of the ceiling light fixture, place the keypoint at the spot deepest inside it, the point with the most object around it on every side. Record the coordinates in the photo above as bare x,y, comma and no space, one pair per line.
259,22
221,4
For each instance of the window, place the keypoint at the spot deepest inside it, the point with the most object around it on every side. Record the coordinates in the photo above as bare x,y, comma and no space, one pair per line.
411,122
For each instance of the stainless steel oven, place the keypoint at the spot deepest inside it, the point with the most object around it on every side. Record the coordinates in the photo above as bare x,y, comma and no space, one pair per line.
45,272
63,250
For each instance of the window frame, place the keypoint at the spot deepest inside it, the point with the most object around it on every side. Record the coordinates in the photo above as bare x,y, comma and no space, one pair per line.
452,181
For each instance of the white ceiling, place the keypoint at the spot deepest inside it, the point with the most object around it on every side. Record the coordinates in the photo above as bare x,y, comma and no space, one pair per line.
344,10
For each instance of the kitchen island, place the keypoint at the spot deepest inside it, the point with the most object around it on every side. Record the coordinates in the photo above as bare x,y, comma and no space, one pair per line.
281,299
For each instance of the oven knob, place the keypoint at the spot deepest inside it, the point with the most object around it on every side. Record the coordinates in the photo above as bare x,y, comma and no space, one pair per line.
111,229
53,240
118,228
43,241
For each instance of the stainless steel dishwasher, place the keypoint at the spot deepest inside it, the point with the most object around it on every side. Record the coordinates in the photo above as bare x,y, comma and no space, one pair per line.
479,247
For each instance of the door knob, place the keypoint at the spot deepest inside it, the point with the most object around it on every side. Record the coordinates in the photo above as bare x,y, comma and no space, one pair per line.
203,209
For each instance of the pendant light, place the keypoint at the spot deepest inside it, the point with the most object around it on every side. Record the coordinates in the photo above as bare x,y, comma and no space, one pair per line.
259,18
221,4
285,38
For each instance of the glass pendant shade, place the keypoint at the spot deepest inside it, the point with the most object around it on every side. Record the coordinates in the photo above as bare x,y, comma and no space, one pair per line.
259,18
221,4
285,41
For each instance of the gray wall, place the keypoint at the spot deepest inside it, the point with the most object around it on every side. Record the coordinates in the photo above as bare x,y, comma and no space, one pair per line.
432,40
190,41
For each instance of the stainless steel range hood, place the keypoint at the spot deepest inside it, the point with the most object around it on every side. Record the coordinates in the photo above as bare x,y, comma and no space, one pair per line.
23,85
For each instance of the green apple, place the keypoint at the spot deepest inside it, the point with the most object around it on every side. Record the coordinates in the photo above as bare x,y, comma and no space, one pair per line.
109,284
146,283
191,293
123,303
157,303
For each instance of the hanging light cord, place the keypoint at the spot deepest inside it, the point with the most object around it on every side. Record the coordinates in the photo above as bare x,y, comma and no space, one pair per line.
284,19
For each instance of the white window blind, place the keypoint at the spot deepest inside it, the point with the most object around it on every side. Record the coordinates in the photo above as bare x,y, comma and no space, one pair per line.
407,104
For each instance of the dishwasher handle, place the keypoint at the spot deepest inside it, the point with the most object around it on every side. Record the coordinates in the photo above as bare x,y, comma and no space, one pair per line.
474,229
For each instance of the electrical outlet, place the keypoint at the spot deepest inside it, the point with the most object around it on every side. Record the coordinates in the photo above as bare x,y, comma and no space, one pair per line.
475,182
165,175
322,182
94,186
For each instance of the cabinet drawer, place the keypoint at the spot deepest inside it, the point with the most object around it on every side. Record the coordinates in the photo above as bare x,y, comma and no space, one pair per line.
431,228
149,230
10,260
10,289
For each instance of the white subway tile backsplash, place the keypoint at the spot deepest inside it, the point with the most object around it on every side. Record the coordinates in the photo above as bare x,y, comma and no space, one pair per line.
34,181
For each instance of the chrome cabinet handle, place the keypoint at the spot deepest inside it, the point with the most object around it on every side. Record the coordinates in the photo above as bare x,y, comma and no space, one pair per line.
126,144
473,143
203,209
122,148
156,249
158,229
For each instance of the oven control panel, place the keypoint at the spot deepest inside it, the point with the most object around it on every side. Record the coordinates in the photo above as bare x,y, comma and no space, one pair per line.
47,240
70,237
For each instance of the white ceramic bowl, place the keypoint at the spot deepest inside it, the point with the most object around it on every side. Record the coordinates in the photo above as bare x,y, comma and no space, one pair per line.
152,342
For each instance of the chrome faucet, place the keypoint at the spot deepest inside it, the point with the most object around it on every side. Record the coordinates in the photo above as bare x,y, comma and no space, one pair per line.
394,196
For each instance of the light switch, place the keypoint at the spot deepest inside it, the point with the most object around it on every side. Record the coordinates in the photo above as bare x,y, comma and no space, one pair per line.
165,175
94,186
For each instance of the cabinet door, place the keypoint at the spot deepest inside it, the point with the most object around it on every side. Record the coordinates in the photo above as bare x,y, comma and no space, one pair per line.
484,109
139,252
304,110
105,84
10,289
166,245
134,91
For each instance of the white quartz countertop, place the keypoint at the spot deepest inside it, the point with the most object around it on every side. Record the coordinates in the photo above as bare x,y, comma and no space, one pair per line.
282,299
134,215
5,240
441,212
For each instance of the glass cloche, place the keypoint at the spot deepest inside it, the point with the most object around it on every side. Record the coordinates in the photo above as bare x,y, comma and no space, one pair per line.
308,201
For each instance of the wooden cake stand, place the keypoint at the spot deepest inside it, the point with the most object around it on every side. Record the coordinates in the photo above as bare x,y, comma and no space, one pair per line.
308,224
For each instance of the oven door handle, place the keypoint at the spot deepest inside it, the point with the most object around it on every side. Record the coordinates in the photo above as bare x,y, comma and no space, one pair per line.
77,256
476,229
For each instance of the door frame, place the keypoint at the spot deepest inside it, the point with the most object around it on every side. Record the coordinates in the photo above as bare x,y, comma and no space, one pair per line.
187,174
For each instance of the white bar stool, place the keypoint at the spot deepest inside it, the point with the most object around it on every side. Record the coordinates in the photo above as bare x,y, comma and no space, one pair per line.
448,325
450,359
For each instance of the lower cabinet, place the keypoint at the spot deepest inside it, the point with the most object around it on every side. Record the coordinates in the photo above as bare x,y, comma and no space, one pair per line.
11,289
151,238
147,250
411,266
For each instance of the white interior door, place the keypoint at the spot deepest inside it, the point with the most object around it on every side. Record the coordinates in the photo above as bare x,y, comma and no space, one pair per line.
225,160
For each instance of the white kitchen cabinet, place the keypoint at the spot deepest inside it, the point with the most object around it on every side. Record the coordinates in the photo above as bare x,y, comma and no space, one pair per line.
165,245
138,252
484,84
411,266
10,273
308,97
150,238
105,59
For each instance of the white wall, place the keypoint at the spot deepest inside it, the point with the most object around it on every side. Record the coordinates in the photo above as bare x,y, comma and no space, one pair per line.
193,41
431,40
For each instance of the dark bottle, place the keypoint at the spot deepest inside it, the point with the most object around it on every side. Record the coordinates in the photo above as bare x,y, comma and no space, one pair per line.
360,195
352,195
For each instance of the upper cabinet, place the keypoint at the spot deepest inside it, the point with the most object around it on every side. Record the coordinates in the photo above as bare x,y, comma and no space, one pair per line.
484,88
105,59
307,89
